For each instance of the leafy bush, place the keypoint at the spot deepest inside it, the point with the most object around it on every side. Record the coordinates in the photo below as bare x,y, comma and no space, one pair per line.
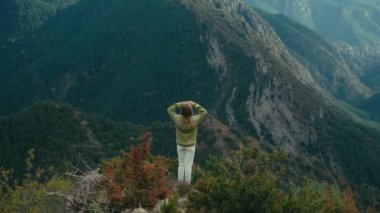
244,183
171,206
138,178
312,196
254,181
32,194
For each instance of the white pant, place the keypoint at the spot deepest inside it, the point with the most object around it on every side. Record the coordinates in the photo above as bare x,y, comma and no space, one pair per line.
185,162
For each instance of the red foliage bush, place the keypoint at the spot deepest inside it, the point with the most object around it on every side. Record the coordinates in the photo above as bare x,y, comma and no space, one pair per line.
139,178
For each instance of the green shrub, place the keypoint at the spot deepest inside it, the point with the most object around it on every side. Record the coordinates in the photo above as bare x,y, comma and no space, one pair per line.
171,206
254,181
32,194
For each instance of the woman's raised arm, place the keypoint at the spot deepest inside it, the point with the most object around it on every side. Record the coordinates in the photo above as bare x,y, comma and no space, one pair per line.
202,112
171,109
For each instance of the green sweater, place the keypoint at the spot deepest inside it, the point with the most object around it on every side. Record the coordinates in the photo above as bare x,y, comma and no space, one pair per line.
186,133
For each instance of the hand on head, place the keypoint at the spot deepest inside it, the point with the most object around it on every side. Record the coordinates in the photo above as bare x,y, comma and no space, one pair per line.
190,103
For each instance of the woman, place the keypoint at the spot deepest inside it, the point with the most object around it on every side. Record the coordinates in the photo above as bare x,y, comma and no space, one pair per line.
186,135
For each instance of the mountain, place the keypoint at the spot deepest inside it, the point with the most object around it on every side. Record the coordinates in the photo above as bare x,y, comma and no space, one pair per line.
374,103
61,136
19,17
325,63
353,25
120,56
129,60
372,106
372,77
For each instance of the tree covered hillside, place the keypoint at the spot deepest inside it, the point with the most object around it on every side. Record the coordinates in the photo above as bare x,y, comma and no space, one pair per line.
261,77
99,48
61,136
19,17
372,77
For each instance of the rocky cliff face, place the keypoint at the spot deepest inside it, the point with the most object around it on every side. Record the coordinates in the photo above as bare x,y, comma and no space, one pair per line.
274,95
273,86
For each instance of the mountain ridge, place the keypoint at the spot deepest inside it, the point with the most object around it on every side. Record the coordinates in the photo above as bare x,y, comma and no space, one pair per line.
327,66
222,54
351,25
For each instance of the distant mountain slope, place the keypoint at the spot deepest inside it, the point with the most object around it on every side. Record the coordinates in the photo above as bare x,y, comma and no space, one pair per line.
324,61
112,59
61,137
128,60
374,103
356,23
18,18
372,106
5,15
372,77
